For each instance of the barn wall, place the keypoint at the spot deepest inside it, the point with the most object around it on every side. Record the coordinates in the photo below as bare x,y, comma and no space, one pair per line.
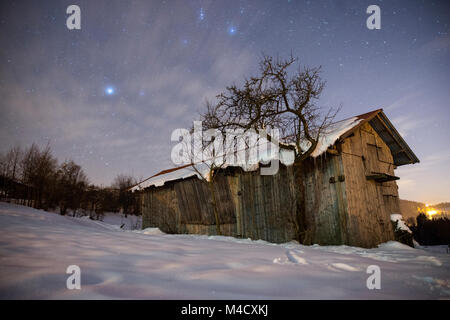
185,207
250,205
228,229
160,209
369,203
263,204
195,202
341,205
325,202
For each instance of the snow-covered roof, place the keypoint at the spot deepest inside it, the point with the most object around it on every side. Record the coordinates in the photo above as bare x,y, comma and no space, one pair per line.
202,170
338,130
331,134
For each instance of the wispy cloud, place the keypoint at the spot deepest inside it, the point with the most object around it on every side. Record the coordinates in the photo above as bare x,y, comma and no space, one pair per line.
403,101
160,86
407,123
438,46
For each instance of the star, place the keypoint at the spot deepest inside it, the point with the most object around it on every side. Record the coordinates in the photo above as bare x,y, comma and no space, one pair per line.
110,91
232,30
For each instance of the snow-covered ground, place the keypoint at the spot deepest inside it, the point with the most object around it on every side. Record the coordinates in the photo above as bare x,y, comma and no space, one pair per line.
119,221
36,247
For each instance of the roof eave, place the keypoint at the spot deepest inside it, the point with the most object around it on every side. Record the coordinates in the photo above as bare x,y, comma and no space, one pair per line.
405,147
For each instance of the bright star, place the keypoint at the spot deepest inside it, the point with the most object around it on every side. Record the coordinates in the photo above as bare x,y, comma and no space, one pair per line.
109,91
232,30
201,16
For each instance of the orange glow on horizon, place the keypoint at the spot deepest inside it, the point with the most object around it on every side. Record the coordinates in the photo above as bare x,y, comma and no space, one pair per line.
429,211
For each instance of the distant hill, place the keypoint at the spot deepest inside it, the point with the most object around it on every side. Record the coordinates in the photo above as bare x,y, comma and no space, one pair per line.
442,206
409,208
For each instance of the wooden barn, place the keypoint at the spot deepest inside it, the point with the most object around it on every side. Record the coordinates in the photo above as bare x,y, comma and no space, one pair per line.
350,191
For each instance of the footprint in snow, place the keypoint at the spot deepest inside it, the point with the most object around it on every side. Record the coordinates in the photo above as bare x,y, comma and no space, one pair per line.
291,257
431,259
342,266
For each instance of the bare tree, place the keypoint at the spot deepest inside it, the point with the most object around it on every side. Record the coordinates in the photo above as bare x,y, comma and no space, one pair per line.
2,164
123,181
10,163
38,170
44,183
71,184
10,174
126,199
279,98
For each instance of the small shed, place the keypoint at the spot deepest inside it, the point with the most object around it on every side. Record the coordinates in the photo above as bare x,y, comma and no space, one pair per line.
349,182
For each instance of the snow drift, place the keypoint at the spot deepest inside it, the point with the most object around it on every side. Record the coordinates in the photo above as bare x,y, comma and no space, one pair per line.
36,247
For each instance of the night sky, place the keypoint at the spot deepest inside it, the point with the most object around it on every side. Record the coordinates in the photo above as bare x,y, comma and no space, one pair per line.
109,95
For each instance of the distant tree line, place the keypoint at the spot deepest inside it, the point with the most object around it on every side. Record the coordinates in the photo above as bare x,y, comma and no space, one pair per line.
34,177
435,231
